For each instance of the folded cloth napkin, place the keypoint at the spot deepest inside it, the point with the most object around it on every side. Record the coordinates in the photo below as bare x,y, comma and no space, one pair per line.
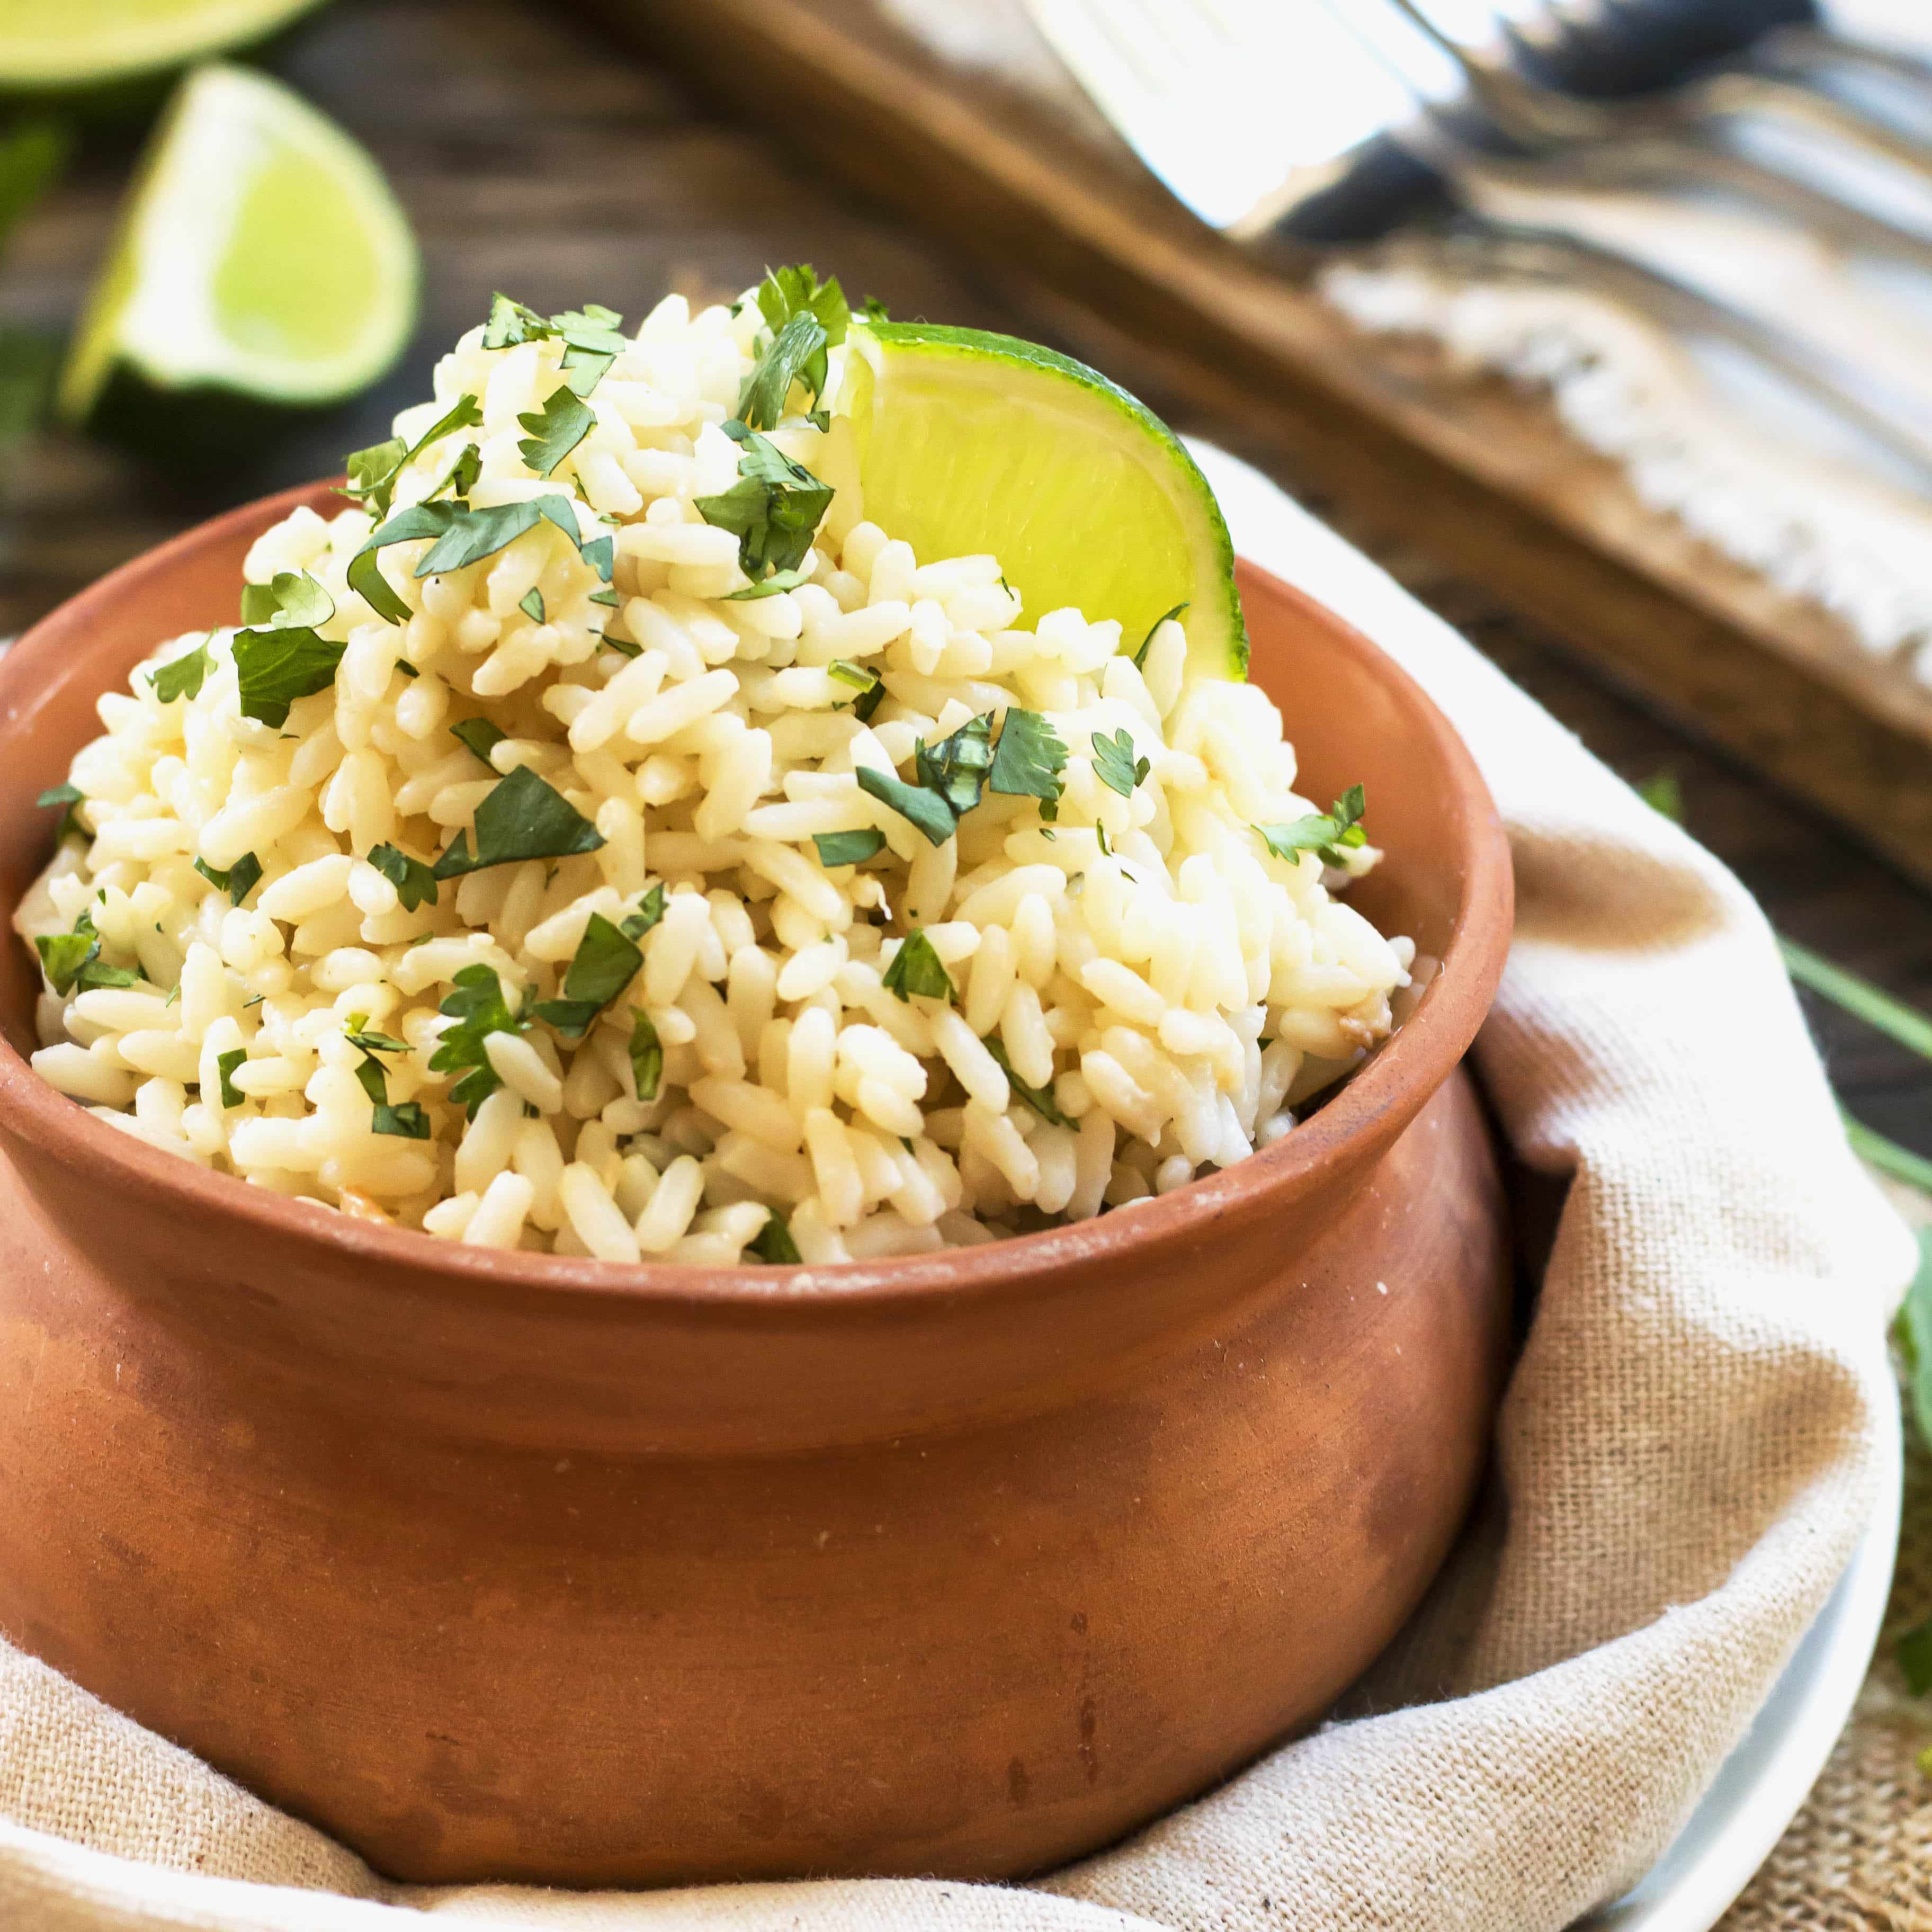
1688,1450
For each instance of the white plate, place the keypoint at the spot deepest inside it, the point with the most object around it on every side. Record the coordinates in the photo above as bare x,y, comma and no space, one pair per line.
1769,1776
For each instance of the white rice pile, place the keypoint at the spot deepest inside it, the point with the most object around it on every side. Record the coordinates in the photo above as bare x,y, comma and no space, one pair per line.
706,997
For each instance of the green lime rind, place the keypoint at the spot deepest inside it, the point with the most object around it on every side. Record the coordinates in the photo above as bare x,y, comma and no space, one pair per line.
260,254
971,442
82,44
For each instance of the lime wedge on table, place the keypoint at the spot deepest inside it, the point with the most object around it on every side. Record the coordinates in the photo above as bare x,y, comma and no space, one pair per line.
65,43
261,252
971,443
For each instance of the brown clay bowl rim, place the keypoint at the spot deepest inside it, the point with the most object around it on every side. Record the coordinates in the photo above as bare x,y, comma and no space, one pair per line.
1415,1061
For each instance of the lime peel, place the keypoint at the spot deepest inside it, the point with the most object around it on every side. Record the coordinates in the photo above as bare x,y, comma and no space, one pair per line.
85,43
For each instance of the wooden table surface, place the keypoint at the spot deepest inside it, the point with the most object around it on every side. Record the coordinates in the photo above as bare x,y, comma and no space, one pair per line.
537,156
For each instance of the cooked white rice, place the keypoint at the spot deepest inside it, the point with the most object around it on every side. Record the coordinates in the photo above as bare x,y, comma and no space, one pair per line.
1152,975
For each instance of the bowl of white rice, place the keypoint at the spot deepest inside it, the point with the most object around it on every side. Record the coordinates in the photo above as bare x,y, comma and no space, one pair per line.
712,1176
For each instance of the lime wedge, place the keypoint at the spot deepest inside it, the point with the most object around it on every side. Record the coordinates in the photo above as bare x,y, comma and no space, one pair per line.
971,443
80,43
261,252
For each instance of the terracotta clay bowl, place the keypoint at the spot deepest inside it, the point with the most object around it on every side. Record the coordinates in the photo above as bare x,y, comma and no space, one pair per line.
520,1566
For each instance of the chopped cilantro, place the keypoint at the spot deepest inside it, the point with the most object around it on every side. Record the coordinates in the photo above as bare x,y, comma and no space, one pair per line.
779,581
358,1034
524,818
276,666
373,472
847,848
182,677
646,1055
70,797
225,1064
650,909
1028,760
414,881
238,881
606,961
479,1009
869,702
797,290
480,736
860,677
555,429
1329,835
290,600
63,954
463,536
1140,656
795,354
917,968
774,1244
925,809
406,1120
593,337
532,605
1114,764
956,767
874,310
774,509
1039,1099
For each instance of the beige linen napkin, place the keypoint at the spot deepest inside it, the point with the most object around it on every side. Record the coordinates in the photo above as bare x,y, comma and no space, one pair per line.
1685,1457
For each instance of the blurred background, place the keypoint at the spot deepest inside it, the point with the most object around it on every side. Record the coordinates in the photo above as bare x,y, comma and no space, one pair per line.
1645,429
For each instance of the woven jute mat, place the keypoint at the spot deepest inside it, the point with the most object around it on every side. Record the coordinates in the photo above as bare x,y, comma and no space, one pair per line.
1858,1857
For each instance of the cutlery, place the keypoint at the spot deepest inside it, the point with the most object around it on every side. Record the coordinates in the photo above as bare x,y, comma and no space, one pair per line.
1289,126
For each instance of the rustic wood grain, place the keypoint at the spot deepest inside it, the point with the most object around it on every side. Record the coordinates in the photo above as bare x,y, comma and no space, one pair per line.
536,151
1482,472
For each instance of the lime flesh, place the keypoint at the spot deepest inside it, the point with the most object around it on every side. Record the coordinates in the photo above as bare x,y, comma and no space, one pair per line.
64,43
971,443
262,252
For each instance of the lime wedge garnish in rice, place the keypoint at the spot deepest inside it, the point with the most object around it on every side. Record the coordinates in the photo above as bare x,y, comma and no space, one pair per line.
262,255
971,443
46,45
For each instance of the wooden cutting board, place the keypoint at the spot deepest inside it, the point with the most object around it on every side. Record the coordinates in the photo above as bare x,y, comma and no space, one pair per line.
1409,449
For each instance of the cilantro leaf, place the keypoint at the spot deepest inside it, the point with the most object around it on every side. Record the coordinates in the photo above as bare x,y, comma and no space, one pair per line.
359,1035
555,429
606,961
860,677
238,881
795,354
774,509
1039,1099
956,766
532,605
1140,656
479,1009
650,909
925,809
480,736
1029,758
646,1055
774,1244
63,954
786,292
406,1120
373,472
847,848
69,797
182,677
600,553
917,968
593,337
874,310
524,818
1114,764
779,580
415,882
225,1064
868,703
273,668
463,536
290,600
1329,835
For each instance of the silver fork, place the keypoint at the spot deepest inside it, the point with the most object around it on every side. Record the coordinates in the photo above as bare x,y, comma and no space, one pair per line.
1477,35
1276,122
